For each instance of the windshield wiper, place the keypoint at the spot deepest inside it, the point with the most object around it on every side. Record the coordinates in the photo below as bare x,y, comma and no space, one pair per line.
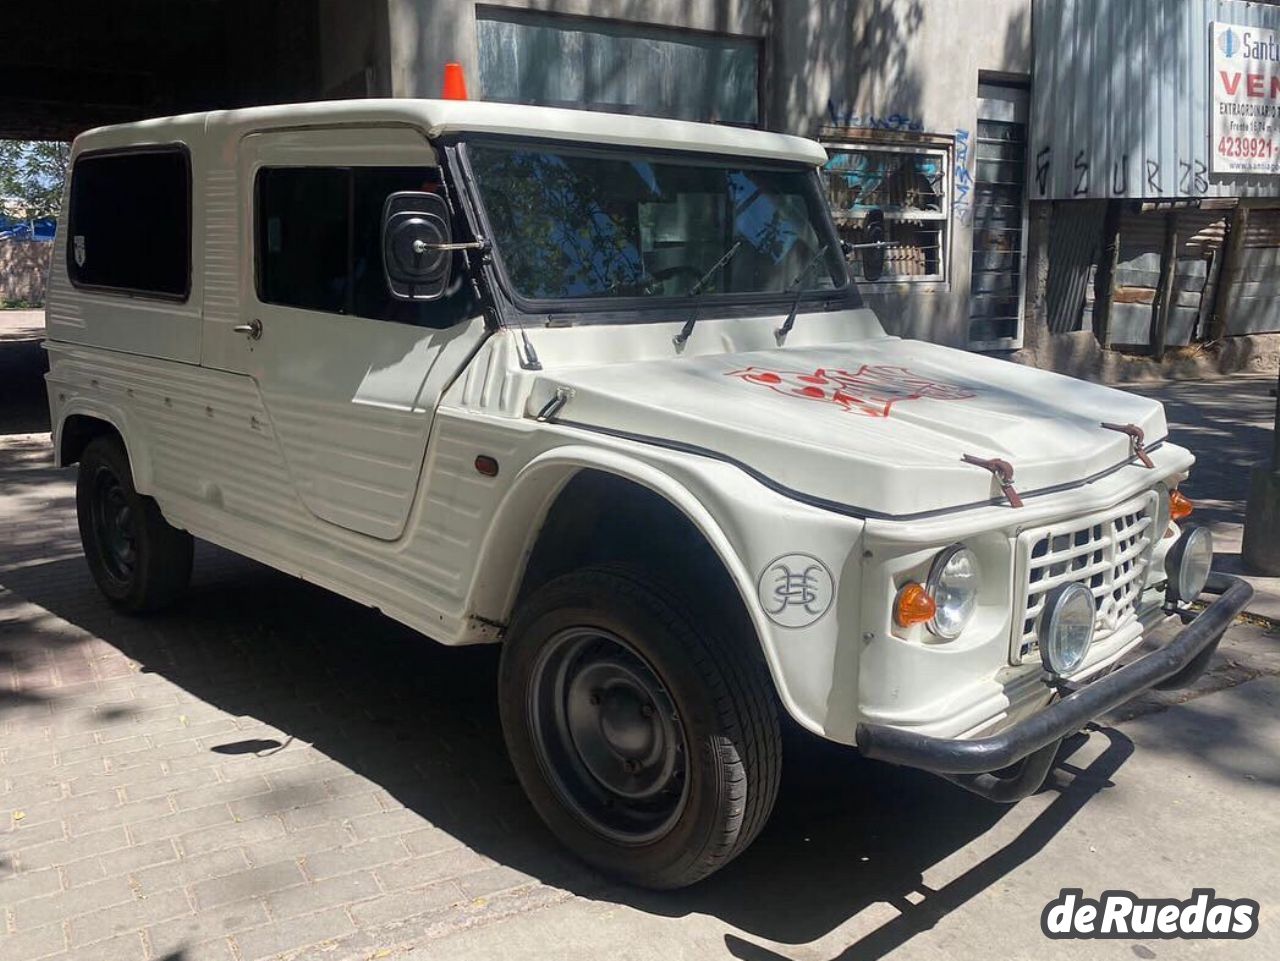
790,322
696,289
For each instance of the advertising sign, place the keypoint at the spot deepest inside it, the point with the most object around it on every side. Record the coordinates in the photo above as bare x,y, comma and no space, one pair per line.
1245,100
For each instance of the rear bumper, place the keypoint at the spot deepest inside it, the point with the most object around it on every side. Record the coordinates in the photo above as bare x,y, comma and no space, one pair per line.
1176,664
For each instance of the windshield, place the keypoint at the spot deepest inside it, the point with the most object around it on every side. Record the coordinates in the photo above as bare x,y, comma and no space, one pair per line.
573,224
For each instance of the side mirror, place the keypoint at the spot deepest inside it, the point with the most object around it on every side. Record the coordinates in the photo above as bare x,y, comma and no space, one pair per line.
873,249
417,252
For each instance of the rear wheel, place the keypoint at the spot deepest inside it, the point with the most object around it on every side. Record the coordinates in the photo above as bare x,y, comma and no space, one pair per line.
139,562
647,742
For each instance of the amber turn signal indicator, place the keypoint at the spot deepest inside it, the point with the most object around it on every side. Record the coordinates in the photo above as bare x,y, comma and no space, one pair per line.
913,605
1180,505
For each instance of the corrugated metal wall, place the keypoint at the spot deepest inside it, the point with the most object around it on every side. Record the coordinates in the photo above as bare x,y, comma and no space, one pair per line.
1120,98
1137,278
1253,304
1073,253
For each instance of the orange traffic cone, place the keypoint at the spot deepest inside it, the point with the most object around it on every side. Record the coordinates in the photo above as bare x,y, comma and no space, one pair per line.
455,84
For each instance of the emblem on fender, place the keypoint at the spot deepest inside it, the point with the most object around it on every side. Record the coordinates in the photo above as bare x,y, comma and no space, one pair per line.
795,590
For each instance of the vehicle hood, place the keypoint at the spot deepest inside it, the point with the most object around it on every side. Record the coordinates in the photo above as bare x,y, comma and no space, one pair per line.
881,426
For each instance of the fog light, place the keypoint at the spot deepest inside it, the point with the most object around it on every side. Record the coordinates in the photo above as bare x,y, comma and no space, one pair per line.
1188,563
1066,628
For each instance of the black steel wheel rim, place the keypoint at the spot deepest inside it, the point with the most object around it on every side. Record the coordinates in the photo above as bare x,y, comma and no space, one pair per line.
607,736
114,526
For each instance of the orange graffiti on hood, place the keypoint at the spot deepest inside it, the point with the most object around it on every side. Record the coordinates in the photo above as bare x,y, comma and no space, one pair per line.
871,390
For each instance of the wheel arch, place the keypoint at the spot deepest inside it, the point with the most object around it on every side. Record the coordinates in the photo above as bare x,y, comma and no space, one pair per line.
535,536
79,424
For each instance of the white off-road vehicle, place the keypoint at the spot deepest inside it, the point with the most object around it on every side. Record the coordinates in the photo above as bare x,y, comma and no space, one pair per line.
600,389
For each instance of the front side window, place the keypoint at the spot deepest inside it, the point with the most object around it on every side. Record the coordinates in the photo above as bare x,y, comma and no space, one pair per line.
908,187
595,225
319,243
129,226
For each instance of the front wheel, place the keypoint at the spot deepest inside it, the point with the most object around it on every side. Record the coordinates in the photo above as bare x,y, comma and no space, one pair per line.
647,743
139,562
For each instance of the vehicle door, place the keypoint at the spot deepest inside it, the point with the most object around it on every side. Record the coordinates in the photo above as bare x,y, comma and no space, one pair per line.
349,376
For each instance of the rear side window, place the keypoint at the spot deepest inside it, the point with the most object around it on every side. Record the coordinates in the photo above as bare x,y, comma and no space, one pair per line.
319,244
130,222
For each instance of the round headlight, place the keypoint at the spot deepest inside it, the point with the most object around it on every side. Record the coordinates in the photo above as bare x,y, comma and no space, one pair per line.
1066,628
953,585
1188,562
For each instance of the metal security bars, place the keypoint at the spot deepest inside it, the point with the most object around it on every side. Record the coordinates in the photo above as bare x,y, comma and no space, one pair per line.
996,289
910,186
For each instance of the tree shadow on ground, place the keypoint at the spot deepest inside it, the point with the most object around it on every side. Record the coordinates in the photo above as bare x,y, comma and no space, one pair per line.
1227,424
23,406
420,720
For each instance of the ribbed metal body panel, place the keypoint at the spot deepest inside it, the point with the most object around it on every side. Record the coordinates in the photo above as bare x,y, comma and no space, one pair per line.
209,453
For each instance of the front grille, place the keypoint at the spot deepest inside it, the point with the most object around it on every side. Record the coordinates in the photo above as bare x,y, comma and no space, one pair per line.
1108,552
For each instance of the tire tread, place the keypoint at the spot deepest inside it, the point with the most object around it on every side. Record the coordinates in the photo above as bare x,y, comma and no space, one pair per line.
748,752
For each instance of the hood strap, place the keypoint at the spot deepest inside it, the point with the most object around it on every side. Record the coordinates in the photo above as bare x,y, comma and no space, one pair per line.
1137,442
1003,472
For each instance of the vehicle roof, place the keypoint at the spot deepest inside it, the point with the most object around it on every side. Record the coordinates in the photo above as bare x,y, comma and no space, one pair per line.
442,117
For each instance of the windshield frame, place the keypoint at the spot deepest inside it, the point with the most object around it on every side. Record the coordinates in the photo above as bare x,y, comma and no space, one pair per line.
630,309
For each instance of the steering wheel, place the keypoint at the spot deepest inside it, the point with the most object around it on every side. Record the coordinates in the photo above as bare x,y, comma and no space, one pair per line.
654,277
666,273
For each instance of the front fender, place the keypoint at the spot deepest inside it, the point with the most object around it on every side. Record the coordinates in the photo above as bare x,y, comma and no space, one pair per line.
746,525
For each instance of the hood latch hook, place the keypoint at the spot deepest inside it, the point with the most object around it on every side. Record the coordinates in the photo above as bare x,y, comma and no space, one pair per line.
553,407
1137,442
1003,472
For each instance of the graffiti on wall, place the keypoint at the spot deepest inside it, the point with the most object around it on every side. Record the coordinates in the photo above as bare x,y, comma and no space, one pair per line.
962,201
1190,179
845,116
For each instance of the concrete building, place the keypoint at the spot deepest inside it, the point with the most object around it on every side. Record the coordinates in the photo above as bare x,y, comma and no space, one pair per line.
923,102
1094,198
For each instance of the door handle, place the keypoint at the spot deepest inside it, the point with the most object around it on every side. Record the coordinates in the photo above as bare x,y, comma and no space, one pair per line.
253,329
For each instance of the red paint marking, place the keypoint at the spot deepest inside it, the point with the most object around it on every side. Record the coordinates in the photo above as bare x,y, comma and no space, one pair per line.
871,390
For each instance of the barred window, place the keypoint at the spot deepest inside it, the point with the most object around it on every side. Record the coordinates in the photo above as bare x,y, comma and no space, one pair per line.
909,186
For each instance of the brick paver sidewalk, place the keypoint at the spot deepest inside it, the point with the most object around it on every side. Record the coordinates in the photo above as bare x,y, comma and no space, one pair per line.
266,769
